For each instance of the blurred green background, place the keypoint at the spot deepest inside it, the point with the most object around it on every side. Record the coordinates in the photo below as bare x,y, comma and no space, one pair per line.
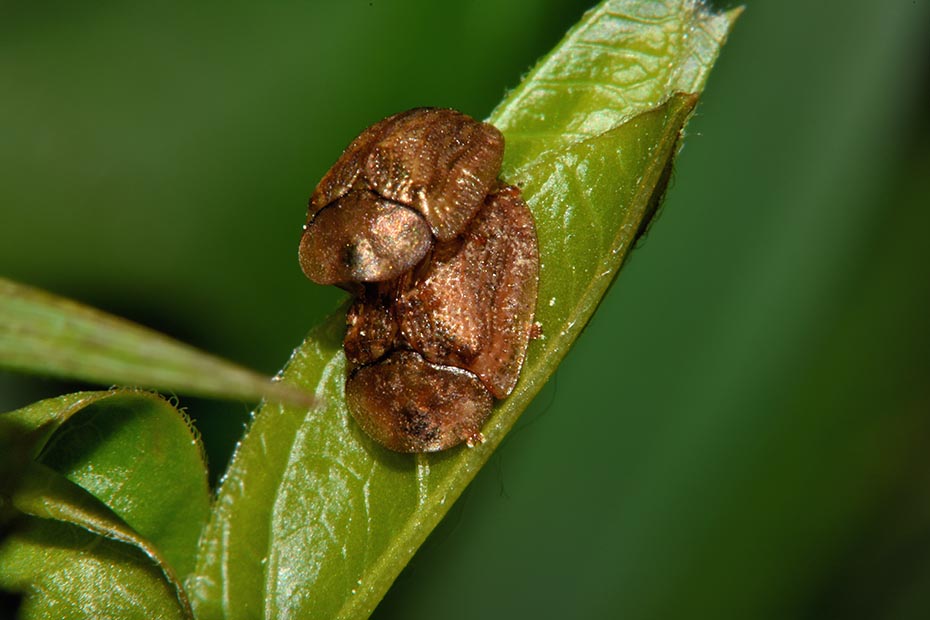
743,431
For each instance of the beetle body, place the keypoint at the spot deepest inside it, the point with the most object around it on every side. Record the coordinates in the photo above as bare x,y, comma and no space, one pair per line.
418,173
443,262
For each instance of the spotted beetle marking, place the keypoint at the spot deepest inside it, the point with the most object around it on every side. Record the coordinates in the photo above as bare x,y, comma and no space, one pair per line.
444,264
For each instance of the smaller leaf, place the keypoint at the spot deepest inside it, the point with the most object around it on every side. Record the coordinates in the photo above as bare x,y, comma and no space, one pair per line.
46,334
113,491
25,431
46,494
67,572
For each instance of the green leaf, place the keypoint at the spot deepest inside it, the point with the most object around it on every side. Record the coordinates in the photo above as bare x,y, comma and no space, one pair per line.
68,572
623,58
117,494
45,334
46,494
316,520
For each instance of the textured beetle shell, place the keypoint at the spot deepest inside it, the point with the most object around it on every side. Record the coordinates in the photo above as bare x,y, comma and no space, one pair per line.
469,306
363,238
410,405
443,263
472,303
439,164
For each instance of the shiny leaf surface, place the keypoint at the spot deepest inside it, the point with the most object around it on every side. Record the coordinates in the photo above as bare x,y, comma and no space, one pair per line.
108,506
316,520
45,334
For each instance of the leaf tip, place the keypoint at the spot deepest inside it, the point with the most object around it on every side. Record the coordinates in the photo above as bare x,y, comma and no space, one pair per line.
289,394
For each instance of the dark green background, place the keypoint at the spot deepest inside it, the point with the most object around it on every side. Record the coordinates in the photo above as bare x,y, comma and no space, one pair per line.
743,431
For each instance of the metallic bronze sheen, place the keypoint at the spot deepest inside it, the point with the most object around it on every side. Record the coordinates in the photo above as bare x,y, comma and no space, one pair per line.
437,164
363,238
469,305
410,405
444,264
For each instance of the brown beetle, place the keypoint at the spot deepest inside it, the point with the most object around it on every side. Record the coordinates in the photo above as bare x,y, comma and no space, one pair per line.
412,176
420,345
442,317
